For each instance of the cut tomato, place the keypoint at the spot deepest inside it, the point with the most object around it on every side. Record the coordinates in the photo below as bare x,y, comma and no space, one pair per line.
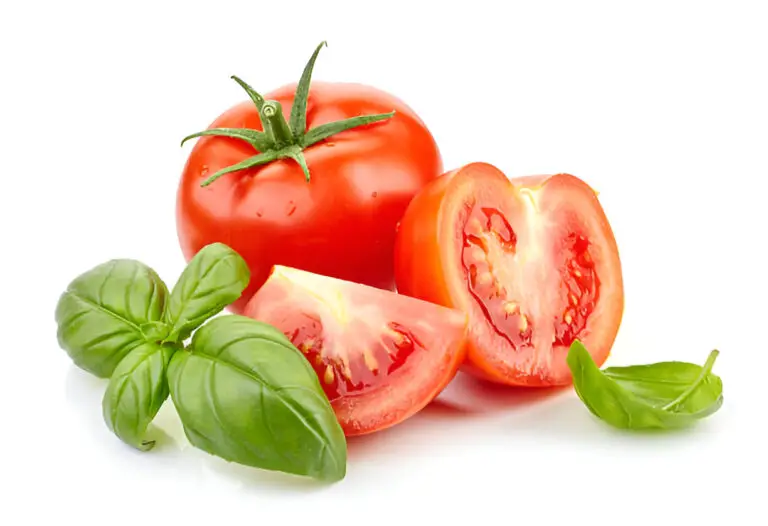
380,357
533,261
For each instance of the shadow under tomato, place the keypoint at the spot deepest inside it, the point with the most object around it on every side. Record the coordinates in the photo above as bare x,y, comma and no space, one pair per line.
471,395
466,399
569,421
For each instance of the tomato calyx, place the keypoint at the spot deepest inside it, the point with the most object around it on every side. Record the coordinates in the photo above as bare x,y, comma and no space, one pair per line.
281,139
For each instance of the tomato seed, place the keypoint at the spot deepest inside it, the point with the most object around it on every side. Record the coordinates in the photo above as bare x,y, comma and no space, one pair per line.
307,345
370,360
484,278
328,377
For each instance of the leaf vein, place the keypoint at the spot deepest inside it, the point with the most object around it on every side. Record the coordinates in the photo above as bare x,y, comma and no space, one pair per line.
104,310
128,295
256,377
100,296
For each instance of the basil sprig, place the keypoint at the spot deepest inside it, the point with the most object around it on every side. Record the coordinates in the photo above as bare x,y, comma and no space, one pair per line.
242,390
664,395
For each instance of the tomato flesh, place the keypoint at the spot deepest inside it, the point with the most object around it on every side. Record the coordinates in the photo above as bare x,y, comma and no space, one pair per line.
380,357
341,374
532,260
488,258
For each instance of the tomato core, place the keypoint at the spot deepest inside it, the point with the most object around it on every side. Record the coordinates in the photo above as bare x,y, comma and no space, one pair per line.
340,374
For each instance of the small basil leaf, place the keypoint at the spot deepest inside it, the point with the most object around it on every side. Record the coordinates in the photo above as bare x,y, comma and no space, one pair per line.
101,313
246,394
663,395
213,279
155,331
136,392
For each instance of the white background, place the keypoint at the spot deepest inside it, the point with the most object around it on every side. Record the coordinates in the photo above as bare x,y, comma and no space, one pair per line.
662,106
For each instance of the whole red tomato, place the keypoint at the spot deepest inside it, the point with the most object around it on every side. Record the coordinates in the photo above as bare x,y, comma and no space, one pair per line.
324,195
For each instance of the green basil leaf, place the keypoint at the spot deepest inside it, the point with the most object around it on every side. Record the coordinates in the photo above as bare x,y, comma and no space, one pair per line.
136,392
662,395
246,394
101,314
213,279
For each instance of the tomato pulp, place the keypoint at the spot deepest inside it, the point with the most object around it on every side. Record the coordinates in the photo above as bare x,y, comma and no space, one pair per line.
380,356
532,260
339,220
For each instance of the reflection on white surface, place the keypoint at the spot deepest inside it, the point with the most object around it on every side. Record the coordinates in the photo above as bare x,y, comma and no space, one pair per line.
466,414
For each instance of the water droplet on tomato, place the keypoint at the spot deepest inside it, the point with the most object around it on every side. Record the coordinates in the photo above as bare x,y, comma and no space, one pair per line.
290,209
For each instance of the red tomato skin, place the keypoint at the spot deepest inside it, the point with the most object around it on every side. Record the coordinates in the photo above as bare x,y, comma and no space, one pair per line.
343,222
425,265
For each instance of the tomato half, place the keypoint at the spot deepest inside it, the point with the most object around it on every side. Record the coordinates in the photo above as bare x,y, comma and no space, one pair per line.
342,221
380,356
533,261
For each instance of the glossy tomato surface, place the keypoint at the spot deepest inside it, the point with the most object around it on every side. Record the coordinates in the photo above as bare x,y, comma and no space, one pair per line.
380,356
342,222
533,261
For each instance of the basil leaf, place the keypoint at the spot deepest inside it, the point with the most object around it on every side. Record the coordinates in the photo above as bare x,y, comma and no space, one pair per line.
136,392
213,279
246,394
663,395
101,314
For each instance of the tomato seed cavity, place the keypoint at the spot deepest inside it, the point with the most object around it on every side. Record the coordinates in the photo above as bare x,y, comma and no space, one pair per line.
345,371
488,239
489,243
580,286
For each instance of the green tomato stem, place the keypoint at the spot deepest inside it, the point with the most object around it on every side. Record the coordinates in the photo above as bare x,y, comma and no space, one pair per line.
255,138
299,108
256,160
279,139
294,153
257,99
322,132
275,126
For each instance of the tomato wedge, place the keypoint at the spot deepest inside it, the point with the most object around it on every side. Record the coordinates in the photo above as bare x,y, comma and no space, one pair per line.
380,356
533,261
